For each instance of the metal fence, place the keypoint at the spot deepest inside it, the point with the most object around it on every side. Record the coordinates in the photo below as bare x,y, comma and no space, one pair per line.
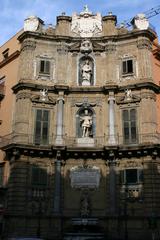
101,141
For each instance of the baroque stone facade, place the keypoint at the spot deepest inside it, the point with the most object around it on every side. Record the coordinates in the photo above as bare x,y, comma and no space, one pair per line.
84,151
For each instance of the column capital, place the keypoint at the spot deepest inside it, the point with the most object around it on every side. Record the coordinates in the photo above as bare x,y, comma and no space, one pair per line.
111,98
60,98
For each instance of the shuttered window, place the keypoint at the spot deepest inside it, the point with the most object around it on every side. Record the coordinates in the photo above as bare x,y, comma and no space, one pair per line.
39,176
129,126
45,66
42,127
131,176
127,66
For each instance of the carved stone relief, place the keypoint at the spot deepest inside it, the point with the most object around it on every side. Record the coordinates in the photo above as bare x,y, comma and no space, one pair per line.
86,24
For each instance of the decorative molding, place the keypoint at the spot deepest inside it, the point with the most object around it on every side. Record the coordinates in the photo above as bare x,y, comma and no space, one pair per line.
150,95
128,99
74,47
86,46
110,48
98,47
23,95
144,44
28,45
62,49
85,103
86,24
132,164
38,99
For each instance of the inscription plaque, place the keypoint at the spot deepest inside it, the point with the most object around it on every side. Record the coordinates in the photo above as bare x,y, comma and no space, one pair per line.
85,177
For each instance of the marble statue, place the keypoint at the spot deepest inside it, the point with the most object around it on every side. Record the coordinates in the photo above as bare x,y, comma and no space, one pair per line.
86,124
128,94
44,94
86,72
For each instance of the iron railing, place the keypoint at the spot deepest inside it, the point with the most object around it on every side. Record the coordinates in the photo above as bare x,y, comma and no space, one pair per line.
101,141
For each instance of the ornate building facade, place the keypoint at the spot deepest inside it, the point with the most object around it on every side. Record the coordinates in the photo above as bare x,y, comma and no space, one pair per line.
82,145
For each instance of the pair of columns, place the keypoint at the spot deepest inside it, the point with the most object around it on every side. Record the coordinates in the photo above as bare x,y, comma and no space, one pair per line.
59,141
60,110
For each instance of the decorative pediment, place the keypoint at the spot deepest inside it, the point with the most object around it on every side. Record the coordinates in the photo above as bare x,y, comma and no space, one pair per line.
85,104
128,98
43,99
74,47
98,47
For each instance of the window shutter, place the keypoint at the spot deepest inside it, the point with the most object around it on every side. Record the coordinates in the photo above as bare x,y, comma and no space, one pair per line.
35,176
38,126
133,125
130,66
126,125
47,67
42,66
129,126
124,67
141,176
41,126
43,177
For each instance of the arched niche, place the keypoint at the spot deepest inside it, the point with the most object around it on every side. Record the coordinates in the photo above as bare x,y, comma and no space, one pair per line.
86,71
85,123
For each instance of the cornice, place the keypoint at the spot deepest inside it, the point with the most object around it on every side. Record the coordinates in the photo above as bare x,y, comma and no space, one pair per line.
151,35
106,153
79,89
9,58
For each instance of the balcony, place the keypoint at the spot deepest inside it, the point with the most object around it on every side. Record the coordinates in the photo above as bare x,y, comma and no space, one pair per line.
132,192
97,142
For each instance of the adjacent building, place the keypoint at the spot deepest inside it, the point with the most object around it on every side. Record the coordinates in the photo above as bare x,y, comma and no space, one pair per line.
80,125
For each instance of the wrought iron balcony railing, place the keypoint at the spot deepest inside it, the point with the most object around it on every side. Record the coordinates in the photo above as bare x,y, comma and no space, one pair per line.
101,141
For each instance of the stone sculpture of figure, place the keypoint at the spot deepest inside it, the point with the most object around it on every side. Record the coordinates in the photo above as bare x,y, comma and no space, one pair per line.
86,73
86,124
44,94
128,94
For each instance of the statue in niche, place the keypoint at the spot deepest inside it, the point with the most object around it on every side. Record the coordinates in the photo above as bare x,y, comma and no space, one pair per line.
86,72
86,124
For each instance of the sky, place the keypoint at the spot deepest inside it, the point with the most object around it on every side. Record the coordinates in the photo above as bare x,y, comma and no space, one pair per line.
14,12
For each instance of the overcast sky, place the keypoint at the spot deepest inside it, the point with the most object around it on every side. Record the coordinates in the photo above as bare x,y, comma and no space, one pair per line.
13,12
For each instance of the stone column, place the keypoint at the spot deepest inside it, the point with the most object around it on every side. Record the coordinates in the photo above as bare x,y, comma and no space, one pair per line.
112,137
112,186
59,129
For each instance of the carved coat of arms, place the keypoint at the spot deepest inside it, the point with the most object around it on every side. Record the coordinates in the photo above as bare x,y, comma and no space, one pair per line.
86,24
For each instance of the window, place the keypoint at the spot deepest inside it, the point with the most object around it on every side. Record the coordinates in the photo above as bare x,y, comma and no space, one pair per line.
6,53
127,66
129,126
45,66
41,127
131,176
39,177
